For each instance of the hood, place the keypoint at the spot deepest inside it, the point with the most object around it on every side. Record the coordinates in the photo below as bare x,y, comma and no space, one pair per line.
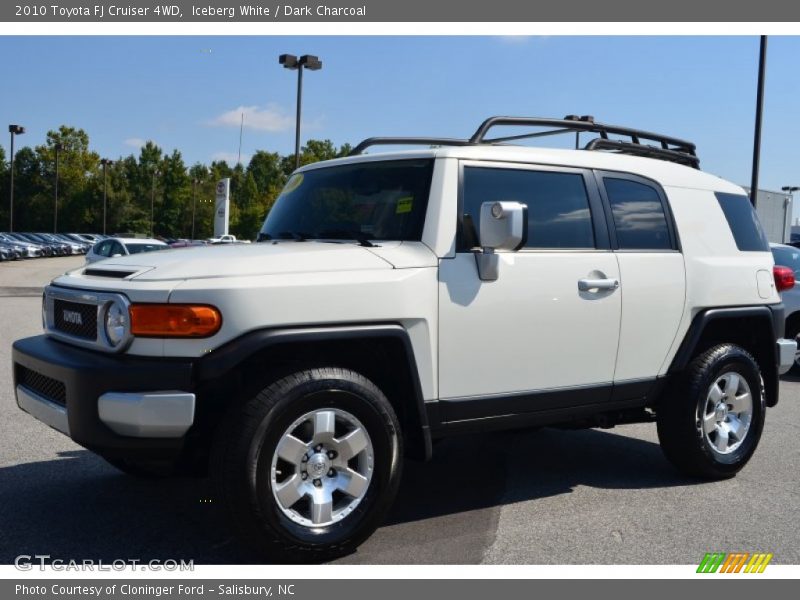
238,260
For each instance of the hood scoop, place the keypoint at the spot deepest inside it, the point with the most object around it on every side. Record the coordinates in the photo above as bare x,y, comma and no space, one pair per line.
106,272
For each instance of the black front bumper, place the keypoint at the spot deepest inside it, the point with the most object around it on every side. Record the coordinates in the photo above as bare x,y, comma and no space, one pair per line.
75,378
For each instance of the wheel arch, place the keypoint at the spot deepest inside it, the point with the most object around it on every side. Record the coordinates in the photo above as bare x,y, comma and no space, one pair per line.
381,352
755,328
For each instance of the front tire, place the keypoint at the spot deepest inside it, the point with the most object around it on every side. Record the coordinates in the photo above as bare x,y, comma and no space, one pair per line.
308,467
711,423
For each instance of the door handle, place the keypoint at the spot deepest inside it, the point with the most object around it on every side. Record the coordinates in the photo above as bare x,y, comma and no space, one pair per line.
587,285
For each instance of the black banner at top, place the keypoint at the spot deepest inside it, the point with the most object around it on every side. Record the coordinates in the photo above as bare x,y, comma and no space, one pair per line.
476,11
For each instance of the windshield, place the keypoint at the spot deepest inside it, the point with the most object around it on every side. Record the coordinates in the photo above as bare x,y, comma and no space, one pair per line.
378,200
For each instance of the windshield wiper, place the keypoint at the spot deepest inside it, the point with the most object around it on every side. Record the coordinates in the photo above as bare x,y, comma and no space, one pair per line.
358,236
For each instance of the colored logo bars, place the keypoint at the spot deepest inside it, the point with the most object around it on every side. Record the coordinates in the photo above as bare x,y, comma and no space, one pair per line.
735,562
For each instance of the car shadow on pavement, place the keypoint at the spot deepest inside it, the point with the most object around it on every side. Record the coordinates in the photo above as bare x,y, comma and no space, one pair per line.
78,507
481,471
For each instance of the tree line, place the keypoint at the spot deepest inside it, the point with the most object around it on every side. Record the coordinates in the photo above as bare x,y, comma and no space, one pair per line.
177,190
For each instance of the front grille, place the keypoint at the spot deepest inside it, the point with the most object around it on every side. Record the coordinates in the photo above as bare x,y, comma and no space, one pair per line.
51,389
75,319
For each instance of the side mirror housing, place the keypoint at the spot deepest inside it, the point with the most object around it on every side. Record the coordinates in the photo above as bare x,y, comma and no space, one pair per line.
503,226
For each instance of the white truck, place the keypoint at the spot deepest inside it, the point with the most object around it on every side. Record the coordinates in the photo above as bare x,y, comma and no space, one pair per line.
396,298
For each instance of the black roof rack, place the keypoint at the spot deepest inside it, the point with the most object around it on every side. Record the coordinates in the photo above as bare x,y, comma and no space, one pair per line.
664,147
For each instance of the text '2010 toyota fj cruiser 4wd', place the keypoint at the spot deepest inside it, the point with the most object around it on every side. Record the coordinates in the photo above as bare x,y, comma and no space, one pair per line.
395,298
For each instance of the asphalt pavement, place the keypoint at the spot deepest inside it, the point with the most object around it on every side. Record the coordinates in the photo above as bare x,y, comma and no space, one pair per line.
546,497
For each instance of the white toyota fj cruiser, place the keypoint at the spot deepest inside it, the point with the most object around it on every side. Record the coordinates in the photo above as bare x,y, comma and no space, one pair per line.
395,298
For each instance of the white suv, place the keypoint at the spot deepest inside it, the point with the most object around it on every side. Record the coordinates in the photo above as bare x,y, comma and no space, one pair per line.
396,298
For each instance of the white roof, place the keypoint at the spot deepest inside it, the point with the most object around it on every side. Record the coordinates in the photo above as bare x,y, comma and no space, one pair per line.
665,172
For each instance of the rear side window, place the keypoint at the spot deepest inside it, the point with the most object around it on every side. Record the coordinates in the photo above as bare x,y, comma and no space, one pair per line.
744,224
558,205
639,217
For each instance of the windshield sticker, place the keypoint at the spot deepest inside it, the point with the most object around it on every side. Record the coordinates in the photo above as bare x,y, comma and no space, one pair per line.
293,183
404,205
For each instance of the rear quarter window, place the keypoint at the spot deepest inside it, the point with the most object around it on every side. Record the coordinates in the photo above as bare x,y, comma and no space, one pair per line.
743,221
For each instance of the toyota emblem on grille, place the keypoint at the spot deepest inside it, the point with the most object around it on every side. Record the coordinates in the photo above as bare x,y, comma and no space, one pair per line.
71,316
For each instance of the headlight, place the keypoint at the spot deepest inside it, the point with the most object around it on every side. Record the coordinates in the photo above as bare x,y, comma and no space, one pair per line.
116,323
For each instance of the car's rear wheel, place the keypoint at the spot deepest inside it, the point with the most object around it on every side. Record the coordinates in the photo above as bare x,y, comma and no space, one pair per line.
308,467
711,423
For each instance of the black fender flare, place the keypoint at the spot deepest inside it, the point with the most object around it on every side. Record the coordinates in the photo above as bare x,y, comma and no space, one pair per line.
773,318
230,355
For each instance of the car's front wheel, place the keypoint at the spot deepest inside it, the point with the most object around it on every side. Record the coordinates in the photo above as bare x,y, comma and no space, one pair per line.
308,467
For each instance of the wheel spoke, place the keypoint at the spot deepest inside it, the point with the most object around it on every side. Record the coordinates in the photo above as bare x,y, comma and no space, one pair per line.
292,449
709,423
352,483
321,507
324,426
741,402
715,395
290,491
721,441
352,444
736,427
731,384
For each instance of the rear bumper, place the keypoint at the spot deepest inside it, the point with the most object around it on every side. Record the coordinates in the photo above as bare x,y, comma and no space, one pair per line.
113,405
787,349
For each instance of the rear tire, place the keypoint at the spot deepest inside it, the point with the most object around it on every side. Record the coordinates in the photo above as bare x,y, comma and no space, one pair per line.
308,467
711,423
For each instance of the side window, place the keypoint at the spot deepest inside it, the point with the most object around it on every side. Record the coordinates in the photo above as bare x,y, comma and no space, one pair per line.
743,221
116,248
103,248
558,204
639,217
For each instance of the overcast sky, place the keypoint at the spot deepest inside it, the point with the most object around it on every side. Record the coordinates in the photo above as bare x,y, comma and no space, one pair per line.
189,92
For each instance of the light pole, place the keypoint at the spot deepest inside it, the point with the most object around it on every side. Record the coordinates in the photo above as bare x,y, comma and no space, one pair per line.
790,189
106,163
194,203
153,200
762,74
13,130
58,148
307,61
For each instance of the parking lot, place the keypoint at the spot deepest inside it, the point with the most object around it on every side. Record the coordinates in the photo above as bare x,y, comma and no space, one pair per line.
553,496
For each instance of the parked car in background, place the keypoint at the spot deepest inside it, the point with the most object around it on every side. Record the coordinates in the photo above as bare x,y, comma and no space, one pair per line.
789,256
29,249
114,247
223,239
71,246
6,253
187,243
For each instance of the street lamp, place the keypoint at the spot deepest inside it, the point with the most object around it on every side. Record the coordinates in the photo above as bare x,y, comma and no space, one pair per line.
106,163
153,199
194,203
13,130
58,148
307,61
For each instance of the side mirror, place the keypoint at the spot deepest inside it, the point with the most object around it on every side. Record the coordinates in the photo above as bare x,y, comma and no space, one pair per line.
503,226
116,255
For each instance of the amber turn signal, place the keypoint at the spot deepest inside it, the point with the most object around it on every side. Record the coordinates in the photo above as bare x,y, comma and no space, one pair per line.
174,320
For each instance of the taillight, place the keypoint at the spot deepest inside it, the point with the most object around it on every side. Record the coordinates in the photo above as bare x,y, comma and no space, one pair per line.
784,278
